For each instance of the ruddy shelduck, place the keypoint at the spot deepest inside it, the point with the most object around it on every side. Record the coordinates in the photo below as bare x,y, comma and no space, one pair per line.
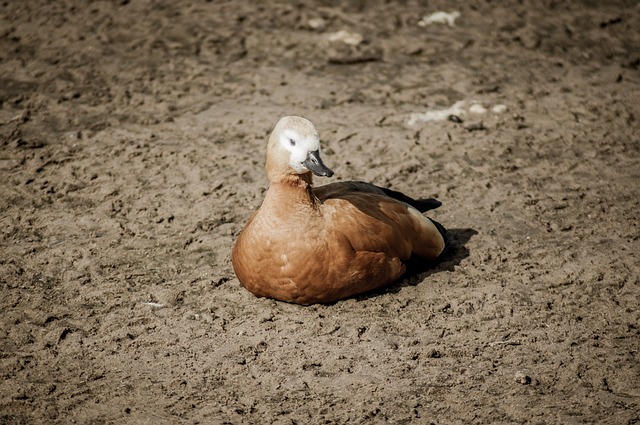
317,245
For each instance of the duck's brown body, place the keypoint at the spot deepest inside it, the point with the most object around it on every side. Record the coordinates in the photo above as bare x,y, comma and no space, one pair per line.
307,247
320,245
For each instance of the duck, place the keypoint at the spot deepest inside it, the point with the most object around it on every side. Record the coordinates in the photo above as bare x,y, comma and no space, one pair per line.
317,245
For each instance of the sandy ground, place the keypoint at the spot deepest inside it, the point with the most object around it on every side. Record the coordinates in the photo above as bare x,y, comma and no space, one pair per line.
132,153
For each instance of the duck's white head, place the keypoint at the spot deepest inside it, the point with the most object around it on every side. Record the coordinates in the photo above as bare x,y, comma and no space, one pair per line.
294,148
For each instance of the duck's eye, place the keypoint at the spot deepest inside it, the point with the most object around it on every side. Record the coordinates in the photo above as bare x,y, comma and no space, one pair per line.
292,142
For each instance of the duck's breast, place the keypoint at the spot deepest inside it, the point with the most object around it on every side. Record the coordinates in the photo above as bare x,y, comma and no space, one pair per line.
278,256
358,242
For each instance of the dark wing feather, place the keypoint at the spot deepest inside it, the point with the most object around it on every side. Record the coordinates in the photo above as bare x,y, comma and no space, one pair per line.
336,189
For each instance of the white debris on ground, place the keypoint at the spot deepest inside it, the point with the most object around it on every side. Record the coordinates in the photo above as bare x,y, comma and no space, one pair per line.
350,38
153,304
448,18
457,109
439,115
477,108
317,23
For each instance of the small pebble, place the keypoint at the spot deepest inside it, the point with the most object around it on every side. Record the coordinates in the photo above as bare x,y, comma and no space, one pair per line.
522,378
475,127
499,109
317,23
347,37
434,354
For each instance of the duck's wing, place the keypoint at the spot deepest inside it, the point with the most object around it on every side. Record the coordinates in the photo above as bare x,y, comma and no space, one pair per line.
342,188
357,188
374,222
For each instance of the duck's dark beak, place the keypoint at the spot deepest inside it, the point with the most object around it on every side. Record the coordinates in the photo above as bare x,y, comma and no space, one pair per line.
316,166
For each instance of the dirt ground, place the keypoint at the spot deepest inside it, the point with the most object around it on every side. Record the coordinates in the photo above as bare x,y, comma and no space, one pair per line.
132,150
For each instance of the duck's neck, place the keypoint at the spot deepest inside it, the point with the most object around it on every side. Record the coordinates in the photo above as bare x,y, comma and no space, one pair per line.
289,190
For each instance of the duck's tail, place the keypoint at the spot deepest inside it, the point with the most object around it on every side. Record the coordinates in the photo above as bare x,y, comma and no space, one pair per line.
422,205
445,235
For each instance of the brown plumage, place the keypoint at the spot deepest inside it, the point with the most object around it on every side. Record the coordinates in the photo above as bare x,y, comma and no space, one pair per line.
316,245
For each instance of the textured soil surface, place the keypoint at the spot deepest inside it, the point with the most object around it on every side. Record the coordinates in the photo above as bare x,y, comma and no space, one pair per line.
132,140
